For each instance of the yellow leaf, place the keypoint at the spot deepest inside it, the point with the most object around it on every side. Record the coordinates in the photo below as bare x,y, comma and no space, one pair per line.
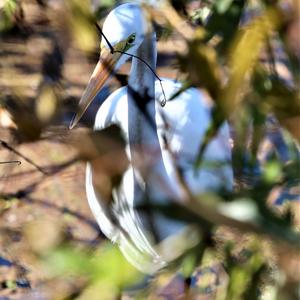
244,55
46,104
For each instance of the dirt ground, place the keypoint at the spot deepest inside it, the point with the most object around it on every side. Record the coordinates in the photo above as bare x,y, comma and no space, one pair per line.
28,197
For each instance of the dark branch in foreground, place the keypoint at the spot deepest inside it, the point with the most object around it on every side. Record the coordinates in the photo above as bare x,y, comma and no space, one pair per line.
10,148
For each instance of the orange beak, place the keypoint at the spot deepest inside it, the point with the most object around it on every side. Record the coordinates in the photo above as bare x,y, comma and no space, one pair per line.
100,75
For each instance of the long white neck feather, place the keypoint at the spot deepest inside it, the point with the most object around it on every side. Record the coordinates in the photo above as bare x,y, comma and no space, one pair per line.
141,78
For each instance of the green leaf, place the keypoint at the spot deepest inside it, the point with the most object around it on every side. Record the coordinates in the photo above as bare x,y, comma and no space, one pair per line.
107,266
200,63
7,11
111,266
11,284
223,5
241,209
244,54
272,172
224,21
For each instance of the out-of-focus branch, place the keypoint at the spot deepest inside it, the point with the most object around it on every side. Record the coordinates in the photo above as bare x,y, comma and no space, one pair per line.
167,14
214,216
10,148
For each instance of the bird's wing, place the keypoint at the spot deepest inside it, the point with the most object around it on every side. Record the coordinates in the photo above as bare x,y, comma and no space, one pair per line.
129,233
188,117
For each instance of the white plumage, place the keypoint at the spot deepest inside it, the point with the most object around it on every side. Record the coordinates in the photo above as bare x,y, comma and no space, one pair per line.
153,170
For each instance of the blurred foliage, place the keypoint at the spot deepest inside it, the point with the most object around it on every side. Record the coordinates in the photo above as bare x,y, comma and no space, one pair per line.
8,12
244,54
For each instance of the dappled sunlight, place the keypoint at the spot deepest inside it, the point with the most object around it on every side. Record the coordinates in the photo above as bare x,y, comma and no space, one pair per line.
192,181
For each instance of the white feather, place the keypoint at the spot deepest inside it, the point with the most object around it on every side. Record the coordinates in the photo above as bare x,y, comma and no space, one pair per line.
188,116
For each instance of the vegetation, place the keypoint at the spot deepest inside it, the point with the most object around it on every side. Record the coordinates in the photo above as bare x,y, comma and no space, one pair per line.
245,55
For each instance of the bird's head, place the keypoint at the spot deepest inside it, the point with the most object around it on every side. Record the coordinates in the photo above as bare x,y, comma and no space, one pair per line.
123,30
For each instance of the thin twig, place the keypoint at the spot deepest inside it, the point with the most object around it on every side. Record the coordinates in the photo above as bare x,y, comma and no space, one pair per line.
31,187
272,59
164,101
112,51
10,162
10,148
214,216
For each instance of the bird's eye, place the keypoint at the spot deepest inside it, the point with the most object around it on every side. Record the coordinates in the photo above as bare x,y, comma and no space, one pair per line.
131,39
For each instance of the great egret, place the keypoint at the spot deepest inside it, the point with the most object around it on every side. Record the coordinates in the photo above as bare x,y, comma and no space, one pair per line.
182,122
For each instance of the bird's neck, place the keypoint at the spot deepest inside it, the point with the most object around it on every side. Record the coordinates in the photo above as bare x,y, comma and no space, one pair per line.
141,108
141,78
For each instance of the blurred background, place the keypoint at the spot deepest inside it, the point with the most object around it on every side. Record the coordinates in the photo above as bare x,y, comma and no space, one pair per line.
245,55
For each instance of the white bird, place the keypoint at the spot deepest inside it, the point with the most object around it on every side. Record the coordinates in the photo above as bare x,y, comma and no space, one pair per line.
182,122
